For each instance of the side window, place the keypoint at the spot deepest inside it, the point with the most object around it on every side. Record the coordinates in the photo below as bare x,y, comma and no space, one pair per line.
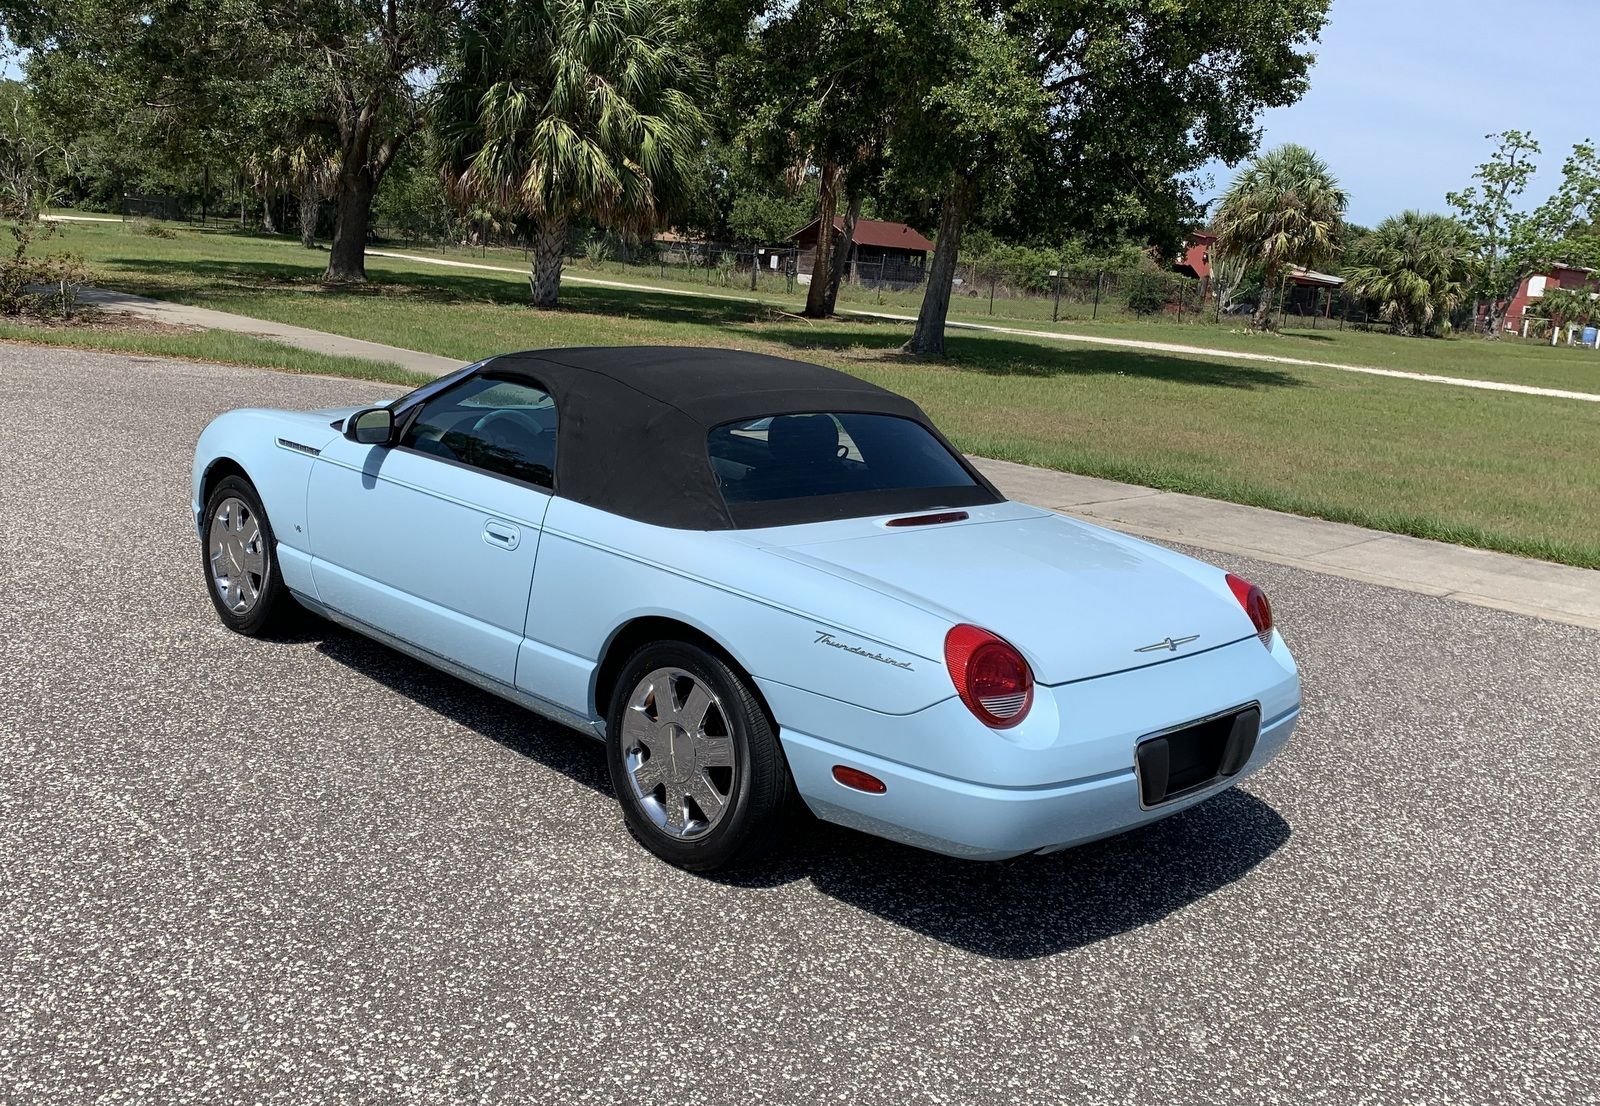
500,424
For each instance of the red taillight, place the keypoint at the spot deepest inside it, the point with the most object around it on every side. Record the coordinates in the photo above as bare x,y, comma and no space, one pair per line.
990,676
1254,602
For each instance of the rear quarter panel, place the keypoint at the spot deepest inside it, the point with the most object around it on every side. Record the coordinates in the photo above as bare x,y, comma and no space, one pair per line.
781,622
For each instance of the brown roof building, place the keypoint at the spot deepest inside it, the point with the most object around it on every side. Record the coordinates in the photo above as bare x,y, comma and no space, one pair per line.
881,252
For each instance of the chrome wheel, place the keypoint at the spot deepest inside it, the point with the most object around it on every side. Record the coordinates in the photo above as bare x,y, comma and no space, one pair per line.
677,750
238,555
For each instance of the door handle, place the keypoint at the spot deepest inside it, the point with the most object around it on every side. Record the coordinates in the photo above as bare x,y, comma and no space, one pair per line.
502,535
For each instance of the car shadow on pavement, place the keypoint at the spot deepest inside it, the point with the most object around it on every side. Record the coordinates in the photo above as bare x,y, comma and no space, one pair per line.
1029,907
1036,906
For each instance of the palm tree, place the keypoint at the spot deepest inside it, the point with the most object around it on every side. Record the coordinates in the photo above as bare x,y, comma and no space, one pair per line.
305,166
571,109
1567,307
1418,268
313,169
1284,209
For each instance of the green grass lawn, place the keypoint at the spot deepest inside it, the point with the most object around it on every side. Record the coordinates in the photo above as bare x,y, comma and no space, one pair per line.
1472,357
1511,359
1510,472
193,260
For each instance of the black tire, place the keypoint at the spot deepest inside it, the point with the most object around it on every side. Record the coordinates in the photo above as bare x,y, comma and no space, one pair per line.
761,798
273,605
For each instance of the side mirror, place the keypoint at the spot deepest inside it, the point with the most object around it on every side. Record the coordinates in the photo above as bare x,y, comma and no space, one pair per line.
372,426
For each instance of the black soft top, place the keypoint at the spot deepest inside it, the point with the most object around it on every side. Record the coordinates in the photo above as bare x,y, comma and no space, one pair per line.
632,423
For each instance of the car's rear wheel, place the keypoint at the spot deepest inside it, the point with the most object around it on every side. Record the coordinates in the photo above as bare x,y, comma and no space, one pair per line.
240,560
694,760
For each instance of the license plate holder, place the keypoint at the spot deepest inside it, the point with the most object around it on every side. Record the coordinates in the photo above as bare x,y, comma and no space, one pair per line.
1188,758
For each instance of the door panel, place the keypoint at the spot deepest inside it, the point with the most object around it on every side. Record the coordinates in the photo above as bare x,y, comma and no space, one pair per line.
438,554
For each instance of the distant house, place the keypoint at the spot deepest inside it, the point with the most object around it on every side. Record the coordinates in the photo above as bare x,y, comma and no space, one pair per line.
1532,290
890,253
1308,292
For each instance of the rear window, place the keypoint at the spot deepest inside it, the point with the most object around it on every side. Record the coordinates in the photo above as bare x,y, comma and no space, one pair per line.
808,467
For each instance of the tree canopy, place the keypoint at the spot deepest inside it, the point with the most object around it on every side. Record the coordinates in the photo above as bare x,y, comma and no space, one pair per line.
1284,209
1514,242
1420,270
562,109
1040,121
226,79
1135,98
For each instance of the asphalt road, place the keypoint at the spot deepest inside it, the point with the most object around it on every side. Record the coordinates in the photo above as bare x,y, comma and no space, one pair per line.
312,870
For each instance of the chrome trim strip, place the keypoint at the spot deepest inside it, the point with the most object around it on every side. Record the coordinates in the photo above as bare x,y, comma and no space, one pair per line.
299,447
589,727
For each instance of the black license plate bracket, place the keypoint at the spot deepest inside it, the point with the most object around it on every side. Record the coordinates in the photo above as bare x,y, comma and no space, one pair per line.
1187,758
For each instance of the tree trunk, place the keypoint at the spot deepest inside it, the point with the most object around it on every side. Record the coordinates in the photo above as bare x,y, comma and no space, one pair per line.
1499,308
841,253
927,340
549,250
267,225
347,256
1262,319
308,218
822,267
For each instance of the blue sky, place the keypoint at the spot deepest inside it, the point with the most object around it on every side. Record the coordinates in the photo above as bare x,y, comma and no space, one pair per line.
1403,92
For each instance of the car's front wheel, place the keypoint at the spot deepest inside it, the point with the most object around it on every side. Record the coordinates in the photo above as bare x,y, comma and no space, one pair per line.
240,560
694,760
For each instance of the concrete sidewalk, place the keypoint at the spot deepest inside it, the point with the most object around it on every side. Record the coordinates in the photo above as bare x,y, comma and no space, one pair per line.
1538,588
314,341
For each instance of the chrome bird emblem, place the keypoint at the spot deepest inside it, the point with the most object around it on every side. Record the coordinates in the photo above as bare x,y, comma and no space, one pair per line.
1169,644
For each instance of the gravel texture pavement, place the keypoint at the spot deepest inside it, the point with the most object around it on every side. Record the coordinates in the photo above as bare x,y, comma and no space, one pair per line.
312,870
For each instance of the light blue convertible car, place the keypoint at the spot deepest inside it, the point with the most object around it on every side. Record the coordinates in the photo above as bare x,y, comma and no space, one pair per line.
762,584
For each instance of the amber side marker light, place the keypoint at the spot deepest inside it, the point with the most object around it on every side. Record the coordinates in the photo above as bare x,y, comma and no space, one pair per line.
859,780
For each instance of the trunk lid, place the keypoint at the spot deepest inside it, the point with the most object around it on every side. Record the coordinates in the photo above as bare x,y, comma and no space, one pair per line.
1077,600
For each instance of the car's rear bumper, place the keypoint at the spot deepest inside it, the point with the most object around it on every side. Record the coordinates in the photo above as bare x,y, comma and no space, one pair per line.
1066,775
991,823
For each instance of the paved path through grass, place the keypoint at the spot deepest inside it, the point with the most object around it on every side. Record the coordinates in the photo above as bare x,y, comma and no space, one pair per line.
1050,335
315,341
80,218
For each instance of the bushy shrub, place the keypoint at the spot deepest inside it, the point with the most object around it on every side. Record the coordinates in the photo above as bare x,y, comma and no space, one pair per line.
596,248
150,228
1146,293
38,285
1027,268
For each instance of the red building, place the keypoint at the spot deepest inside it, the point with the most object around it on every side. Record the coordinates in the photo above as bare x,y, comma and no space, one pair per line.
1533,289
1196,259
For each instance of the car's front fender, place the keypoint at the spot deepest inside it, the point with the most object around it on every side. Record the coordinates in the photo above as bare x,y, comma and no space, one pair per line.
275,450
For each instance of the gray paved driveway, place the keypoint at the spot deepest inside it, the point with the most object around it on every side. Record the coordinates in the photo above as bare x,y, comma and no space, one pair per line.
304,870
